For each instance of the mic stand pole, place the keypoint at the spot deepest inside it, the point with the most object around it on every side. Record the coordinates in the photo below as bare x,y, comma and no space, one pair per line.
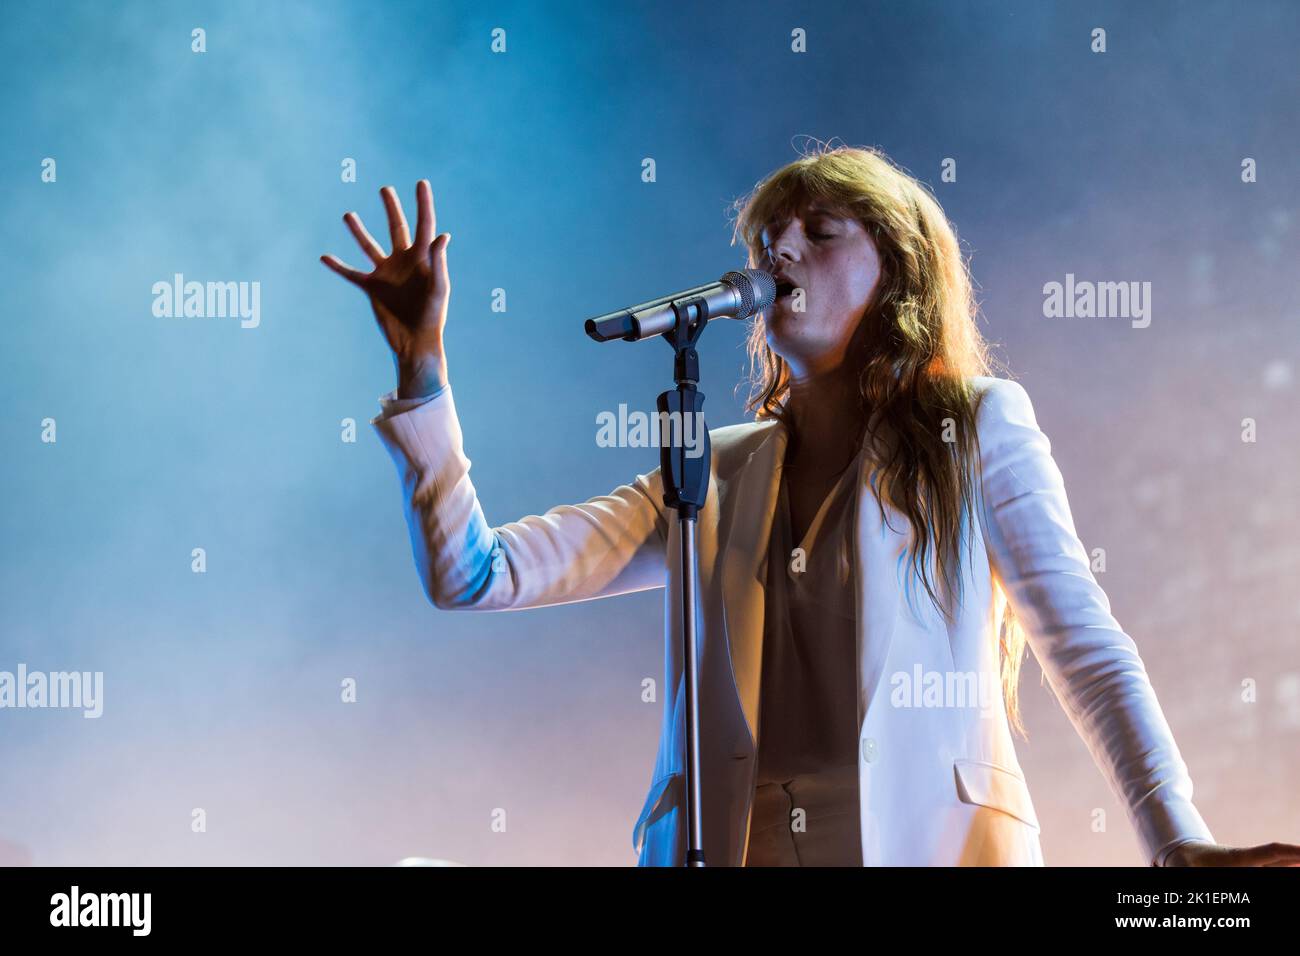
686,487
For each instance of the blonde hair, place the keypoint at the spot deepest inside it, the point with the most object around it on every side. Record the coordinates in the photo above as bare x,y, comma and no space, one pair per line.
920,347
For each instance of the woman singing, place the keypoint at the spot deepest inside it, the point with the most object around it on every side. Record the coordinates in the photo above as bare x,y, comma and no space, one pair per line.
876,548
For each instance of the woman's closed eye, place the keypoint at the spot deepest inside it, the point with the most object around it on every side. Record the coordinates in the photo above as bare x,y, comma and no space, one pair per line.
815,236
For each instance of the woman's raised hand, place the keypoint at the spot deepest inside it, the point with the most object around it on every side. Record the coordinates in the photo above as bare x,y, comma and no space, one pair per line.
408,289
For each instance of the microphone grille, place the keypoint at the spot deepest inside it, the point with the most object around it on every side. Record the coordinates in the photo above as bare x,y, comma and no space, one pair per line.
757,290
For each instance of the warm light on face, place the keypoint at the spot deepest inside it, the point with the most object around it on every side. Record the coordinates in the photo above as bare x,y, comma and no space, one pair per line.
833,266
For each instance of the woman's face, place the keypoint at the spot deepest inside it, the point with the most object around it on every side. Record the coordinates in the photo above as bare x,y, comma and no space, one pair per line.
834,262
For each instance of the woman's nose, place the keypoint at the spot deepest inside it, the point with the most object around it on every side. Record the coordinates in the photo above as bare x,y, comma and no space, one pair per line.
781,251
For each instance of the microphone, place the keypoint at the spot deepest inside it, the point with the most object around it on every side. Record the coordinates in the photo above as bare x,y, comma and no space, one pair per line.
737,295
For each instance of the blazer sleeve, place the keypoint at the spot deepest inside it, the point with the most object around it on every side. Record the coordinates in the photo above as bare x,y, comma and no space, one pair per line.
611,544
1092,665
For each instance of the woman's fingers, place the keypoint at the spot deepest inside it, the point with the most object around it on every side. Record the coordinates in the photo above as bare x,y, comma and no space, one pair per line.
1275,854
347,272
426,222
364,239
397,229
438,258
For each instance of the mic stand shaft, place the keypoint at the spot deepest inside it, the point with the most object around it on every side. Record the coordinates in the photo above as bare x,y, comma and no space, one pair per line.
686,487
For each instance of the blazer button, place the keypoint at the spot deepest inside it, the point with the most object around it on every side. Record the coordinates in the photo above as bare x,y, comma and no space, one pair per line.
869,749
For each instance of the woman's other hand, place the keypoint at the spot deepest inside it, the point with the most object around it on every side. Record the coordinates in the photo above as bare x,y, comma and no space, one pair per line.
1212,854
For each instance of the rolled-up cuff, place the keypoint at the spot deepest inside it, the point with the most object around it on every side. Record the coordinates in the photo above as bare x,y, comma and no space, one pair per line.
391,405
424,433
1165,825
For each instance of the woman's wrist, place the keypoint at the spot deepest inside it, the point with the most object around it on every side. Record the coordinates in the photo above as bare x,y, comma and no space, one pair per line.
1182,854
421,376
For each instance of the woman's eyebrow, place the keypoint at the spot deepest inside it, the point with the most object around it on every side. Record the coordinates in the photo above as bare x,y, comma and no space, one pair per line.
823,211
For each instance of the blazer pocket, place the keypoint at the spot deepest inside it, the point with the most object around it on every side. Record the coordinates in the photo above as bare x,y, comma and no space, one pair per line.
990,785
661,798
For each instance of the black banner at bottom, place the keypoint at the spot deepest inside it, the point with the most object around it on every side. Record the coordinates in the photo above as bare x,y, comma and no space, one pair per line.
329,905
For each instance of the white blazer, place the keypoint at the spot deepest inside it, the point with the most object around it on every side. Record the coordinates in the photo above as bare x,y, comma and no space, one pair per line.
940,783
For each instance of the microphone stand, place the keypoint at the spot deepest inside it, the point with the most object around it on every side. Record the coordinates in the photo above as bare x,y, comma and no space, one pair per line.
686,480
686,487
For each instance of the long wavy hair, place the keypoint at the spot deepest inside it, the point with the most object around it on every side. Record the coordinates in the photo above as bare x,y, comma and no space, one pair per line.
916,349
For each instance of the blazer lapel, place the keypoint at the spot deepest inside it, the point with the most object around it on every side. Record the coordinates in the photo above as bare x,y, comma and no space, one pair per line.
879,573
743,549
